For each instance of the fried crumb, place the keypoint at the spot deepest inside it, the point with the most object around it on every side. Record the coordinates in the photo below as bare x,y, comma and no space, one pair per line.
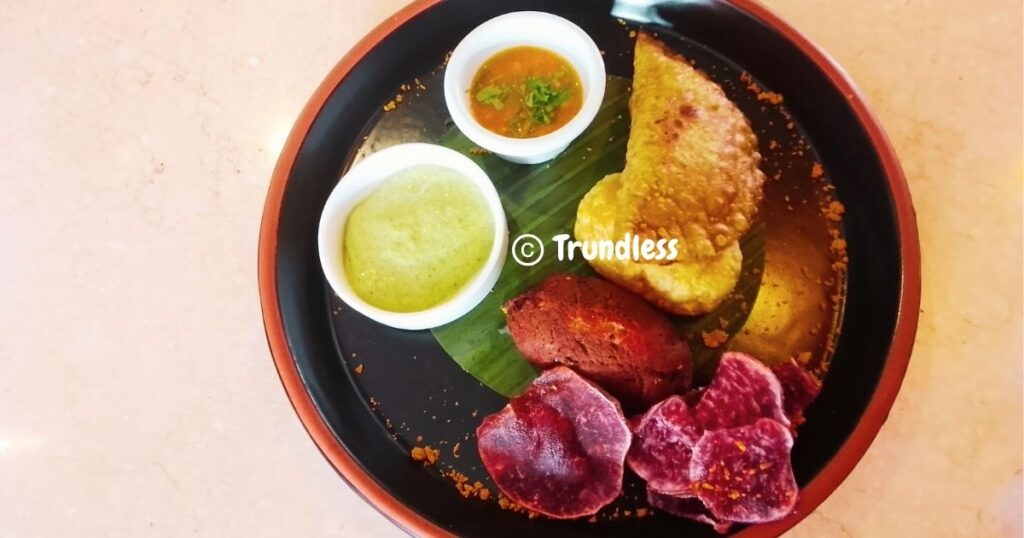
632,33
425,455
374,403
835,211
475,150
398,98
714,338
359,369
838,246
455,449
770,97
592,519
723,323
508,504
773,144
467,490
752,86
390,106
643,512
817,171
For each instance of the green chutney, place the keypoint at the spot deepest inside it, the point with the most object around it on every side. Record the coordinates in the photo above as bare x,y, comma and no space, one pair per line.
418,239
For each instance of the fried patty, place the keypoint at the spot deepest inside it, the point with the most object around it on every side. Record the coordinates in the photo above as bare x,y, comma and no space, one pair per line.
604,333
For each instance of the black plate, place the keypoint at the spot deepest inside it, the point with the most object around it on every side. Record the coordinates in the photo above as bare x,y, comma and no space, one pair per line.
410,392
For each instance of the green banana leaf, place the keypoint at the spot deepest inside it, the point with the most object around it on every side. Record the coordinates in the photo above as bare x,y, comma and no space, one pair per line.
542,200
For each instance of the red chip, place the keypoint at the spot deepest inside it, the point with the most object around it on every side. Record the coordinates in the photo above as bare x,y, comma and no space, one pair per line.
744,474
742,391
558,448
799,388
664,438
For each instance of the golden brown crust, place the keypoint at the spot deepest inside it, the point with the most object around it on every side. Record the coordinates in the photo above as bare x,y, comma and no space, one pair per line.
692,161
682,287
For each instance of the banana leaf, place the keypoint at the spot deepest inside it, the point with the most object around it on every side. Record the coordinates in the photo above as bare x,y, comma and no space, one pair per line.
542,200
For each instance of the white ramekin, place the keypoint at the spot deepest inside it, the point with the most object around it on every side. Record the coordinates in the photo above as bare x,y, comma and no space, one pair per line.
518,29
364,178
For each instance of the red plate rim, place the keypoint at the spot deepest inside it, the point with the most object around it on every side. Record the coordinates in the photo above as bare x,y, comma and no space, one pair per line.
834,472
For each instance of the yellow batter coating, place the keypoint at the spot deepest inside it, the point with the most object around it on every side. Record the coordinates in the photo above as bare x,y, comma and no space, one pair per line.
683,287
691,161
691,174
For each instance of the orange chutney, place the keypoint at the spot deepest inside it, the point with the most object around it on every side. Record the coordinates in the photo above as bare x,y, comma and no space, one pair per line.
524,92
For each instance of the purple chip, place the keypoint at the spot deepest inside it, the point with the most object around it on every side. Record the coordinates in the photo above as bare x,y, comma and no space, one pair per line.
664,438
686,507
742,391
744,474
799,388
558,448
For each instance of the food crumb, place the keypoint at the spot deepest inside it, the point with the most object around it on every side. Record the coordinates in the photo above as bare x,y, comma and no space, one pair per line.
426,454
714,338
507,504
770,97
390,106
817,171
835,211
632,33
643,512
476,150
455,449
359,369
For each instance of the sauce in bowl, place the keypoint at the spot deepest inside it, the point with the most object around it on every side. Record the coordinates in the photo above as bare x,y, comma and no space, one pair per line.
525,92
417,239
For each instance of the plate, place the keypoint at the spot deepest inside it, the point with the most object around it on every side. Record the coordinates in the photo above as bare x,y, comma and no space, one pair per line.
367,394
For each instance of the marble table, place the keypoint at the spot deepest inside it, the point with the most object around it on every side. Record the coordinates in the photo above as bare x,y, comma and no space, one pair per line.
136,144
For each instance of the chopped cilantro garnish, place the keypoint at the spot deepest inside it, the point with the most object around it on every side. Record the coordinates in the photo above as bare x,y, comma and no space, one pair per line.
492,95
541,98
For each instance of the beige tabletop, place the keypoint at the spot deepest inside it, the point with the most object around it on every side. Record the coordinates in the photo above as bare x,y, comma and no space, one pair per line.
137,395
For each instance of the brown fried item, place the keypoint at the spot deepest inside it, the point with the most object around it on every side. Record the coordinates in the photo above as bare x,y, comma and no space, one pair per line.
691,175
604,333
683,287
691,161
